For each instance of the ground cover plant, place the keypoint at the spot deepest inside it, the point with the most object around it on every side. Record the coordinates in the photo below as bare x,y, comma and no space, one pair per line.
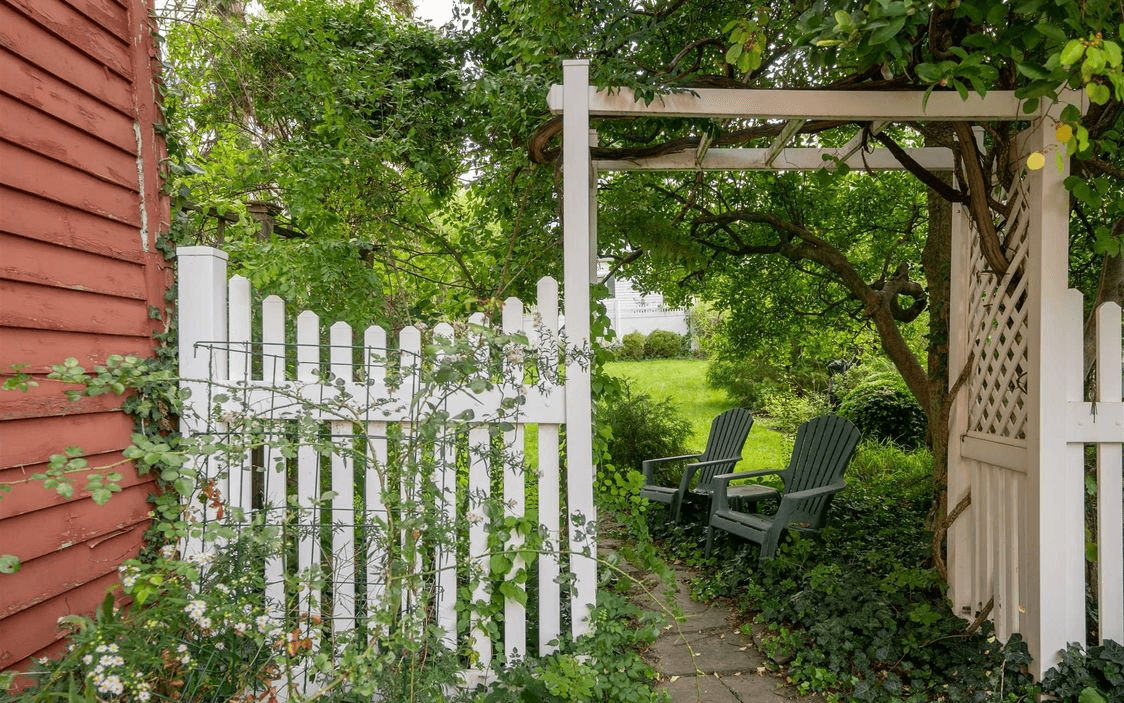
858,613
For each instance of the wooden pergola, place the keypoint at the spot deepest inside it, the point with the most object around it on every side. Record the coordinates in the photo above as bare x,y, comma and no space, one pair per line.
1020,423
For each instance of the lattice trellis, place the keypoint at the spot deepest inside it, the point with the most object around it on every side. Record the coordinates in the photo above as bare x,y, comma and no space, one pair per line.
997,330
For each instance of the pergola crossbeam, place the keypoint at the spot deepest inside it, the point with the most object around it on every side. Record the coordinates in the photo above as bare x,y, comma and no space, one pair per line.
852,147
794,159
791,127
857,105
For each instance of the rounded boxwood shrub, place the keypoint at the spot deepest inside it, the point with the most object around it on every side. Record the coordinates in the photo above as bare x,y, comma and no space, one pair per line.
884,410
662,344
632,347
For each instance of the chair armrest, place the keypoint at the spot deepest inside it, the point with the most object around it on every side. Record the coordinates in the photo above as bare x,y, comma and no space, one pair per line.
789,501
691,469
648,465
815,492
726,478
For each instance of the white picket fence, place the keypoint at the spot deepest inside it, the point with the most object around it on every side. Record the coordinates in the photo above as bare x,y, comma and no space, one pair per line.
392,442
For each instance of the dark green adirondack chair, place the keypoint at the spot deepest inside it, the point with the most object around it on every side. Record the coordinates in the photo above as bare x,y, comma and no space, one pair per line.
824,446
723,450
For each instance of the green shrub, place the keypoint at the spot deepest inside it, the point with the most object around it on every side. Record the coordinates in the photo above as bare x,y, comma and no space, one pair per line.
748,380
632,347
786,409
642,428
883,409
706,324
663,344
744,380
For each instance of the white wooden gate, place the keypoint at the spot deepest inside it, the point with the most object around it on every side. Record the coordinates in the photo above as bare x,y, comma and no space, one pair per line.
1020,426
366,423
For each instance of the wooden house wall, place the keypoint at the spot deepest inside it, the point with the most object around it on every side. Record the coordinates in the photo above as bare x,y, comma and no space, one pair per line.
80,206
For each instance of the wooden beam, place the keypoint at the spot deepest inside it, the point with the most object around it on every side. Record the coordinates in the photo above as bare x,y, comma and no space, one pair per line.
852,147
858,105
791,128
797,159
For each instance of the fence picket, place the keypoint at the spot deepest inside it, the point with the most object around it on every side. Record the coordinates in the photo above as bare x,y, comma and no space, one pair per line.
308,482
445,553
240,475
1110,566
343,487
274,469
545,339
374,351
479,492
514,490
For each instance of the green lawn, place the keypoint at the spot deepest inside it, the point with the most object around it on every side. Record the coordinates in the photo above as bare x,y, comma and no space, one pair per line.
684,381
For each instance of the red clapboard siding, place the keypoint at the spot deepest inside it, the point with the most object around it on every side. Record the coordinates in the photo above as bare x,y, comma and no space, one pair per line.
34,217
28,495
39,89
31,441
68,145
29,632
31,535
32,261
27,171
40,349
39,307
75,29
107,13
47,399
80,208
27,39
37,580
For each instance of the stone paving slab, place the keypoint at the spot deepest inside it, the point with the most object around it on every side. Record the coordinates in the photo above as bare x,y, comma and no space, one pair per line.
703,658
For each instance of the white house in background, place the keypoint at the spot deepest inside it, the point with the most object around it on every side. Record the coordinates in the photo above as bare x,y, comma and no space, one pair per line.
631,311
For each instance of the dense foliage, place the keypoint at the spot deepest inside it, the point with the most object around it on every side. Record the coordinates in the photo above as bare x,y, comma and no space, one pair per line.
876,400
642,428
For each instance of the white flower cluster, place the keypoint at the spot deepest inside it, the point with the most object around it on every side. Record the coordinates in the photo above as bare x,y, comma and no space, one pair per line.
129,576
202,558
265,626
197,611
103,675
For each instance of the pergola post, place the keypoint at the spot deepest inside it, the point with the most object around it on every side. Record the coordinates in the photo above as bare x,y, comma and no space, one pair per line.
1053,576
577,217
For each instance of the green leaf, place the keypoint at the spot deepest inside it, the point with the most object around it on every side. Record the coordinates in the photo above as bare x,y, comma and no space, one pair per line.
1072,52
929,73
9,563
1091,695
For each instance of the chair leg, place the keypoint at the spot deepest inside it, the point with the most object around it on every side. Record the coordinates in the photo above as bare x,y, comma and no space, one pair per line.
676,505
769,544
709,539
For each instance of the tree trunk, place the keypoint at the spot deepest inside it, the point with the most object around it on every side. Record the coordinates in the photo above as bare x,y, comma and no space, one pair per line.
936,258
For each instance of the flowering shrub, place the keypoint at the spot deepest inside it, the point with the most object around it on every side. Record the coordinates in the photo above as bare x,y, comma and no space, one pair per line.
192,630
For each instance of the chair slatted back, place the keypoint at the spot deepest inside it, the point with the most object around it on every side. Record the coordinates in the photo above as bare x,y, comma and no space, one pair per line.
823,448
728,433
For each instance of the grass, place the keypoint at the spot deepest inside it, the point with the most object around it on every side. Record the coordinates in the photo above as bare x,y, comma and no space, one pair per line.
684,381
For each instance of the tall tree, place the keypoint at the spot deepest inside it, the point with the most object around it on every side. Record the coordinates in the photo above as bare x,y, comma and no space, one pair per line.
342,126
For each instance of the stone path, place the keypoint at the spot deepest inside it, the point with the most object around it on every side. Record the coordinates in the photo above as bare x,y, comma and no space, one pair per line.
704,658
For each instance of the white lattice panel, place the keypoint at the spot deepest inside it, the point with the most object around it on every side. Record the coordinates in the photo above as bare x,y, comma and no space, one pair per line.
997,331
